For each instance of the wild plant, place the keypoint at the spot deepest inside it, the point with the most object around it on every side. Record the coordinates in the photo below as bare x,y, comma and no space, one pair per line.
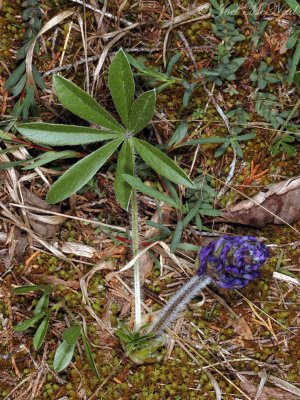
42,314
135,114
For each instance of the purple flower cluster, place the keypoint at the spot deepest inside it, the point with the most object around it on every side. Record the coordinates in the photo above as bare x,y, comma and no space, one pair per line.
233,261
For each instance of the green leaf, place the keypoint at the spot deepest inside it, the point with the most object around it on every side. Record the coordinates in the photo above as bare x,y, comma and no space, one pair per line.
275,149
290,150
13,164
29,288
135,63
295,62
4,136
121,85
42,304
192,213
28,102
179,134
49,156
15,76
82,104
89,355
294,6
125,329
215,4
157,225
293,39
125,165
173,192
28,323
139,185
9,149
211,213
204,140
187,246
162,164
173,61
80,173
71,334
38,78
176,236
142,111
63,356
17,89
247,136
222,148
61,135
123,336
40,334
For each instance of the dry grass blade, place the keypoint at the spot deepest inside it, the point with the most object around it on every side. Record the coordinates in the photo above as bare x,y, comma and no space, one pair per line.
185,16
50,24
284,385
185,347
106,14
286,278
84,42
110,35
131,263
104,54
118,228
84,281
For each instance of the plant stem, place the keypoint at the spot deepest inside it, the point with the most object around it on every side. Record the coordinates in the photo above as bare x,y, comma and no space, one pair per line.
135,250
179,301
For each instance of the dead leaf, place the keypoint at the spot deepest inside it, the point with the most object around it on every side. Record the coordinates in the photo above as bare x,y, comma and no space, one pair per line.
78,249
241,328
53,280
268,392
44,226
277,204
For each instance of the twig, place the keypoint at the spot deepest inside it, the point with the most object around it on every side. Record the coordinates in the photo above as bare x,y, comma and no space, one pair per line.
185,16
106,14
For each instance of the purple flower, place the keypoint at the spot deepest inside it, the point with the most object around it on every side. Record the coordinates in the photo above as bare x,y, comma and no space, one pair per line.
233,261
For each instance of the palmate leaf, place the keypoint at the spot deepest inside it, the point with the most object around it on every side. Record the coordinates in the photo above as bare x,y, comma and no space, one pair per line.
142,111
82,104
162,164
121,85
125,165
80,173
64,135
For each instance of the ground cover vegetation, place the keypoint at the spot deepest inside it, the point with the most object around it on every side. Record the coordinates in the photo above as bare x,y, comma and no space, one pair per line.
197,107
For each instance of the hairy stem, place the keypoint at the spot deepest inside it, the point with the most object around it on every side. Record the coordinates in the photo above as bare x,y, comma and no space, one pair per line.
135,250
179,301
